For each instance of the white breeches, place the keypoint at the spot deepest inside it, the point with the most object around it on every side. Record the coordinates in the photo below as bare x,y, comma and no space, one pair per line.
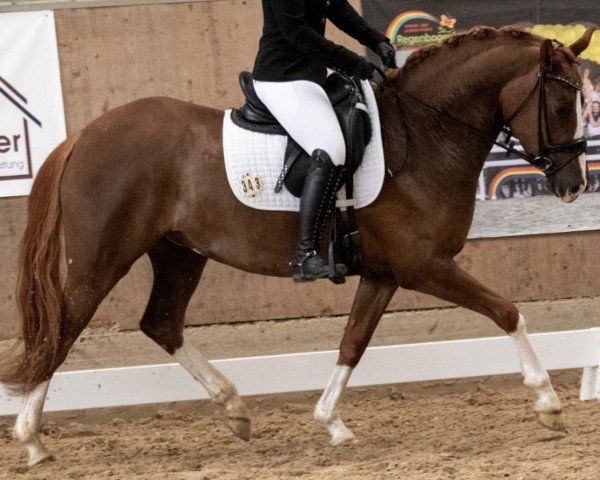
305,112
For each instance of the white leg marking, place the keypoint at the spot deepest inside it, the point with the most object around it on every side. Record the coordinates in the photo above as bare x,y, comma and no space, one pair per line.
326,409
579,134
27,426
220,389
548,407
582,158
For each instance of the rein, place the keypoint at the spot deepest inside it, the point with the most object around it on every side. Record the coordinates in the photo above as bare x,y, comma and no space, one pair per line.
542,160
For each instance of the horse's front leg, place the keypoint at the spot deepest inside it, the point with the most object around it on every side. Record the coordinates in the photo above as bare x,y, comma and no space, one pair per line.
445,280
371,299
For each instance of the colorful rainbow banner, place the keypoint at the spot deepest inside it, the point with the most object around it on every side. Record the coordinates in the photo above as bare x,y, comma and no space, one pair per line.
510,174
521,173
404,17
417,27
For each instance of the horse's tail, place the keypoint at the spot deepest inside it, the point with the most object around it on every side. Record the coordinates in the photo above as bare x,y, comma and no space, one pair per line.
39,291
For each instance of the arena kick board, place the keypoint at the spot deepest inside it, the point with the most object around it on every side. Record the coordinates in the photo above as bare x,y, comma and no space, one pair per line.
311,371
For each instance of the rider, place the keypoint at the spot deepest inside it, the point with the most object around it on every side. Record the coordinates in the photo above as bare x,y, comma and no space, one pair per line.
289,74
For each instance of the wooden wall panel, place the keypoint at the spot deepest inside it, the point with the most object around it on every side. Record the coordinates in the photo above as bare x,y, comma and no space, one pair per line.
110,56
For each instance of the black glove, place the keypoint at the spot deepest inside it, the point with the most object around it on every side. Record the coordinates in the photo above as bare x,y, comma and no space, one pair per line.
365,69
387,53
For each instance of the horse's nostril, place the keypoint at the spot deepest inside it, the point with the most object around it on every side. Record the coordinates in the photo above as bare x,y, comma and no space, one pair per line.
574,191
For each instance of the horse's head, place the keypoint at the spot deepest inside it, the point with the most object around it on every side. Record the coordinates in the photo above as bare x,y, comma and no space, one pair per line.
547,118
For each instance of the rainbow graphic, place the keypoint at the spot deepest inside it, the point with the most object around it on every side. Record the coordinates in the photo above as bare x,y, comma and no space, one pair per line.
523,173
398,22
512,174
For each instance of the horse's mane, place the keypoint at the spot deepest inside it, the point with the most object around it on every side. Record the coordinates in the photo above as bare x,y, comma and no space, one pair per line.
460,39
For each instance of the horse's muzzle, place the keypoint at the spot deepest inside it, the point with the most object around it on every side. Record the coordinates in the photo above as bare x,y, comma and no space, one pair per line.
572,194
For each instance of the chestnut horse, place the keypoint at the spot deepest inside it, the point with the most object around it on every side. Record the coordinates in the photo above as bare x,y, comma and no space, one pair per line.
149,178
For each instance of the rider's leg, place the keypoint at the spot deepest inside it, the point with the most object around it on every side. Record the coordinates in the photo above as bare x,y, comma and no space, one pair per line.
316,204
305,112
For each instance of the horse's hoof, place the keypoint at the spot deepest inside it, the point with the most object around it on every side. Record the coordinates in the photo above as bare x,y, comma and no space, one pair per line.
554,420
342,435
40,456
240,426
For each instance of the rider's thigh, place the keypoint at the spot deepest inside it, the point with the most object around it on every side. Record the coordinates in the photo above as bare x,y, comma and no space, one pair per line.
304,110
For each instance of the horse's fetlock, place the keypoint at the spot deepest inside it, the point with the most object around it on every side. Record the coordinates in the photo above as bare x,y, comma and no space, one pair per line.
323,415
537,381
23,431
225,395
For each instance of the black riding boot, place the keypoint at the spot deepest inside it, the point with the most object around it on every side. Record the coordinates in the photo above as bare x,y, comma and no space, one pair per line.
316,202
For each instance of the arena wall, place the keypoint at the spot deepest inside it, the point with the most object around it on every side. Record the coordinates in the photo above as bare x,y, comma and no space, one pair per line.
194,51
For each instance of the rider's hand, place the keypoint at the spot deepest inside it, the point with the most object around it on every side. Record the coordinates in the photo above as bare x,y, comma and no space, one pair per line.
387,53
365,69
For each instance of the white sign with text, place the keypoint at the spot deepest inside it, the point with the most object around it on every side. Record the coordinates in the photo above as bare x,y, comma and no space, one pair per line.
32,118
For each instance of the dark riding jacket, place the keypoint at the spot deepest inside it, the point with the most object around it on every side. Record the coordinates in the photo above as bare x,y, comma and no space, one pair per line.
293,46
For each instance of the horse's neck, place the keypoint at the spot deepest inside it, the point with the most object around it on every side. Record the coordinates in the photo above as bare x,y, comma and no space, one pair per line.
467,89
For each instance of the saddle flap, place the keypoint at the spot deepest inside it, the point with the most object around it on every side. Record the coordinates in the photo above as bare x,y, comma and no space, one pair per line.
338,88
347,98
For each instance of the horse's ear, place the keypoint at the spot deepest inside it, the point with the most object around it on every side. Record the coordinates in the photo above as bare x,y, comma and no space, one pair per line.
547,55
581,44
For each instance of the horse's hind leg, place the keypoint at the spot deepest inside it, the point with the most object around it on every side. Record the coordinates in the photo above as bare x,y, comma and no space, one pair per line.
447,281
369,304
85,287
177,271
27,426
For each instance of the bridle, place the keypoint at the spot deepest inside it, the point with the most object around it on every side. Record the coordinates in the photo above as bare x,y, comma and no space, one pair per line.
542,160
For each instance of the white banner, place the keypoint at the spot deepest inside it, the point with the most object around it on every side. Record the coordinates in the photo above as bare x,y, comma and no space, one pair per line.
32,119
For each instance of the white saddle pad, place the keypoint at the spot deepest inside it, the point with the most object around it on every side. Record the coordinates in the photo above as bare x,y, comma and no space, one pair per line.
254,160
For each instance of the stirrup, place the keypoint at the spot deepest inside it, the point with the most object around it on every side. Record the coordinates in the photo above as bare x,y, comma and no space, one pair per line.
298,274
336,273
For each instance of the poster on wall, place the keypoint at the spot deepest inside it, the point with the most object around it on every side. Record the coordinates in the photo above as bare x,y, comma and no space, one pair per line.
413,24
32,119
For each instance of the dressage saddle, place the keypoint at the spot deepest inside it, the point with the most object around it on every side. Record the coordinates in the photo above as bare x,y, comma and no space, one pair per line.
345,95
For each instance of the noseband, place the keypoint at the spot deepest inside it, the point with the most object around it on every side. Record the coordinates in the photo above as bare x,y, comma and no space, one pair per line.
542,160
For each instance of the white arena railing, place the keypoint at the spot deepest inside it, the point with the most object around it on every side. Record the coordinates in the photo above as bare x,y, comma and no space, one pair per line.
310,371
